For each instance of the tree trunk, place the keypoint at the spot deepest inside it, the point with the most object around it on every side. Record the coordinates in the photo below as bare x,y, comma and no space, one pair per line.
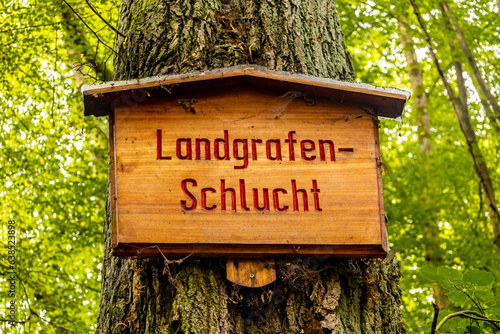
429,221
417,85
484,90
462,109
462,113
311,295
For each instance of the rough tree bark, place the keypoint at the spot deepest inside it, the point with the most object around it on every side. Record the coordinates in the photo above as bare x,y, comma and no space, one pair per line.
311,295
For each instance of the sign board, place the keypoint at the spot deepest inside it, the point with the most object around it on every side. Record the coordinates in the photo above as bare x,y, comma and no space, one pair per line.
242,167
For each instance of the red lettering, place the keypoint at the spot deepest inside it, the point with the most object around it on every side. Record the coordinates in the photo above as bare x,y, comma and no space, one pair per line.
295,191
265,201
276,200
265,193
178,149
322,154
277,146
304,149
226,147
191,196
223,196
245,152
254,148
346,149
241,149
315,191
159,147
290,141
206,144
204,199
243,196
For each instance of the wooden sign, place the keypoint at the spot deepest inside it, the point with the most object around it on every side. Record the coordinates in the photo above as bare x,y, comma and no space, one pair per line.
243,168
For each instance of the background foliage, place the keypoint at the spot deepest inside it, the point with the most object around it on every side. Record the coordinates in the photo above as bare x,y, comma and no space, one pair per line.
435,205
53,164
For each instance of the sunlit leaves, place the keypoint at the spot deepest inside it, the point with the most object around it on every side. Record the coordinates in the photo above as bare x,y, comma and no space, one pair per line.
470,294
53,170
479,277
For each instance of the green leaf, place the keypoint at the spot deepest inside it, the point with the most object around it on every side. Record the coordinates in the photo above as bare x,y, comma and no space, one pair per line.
461,325
485,296
446,284
449,273
457,297
494,312
474,330
479,277
430,273
491,326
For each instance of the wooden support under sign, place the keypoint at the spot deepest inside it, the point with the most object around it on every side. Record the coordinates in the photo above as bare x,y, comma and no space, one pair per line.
251,273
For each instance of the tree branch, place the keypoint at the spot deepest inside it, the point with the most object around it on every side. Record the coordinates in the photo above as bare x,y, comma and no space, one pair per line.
434,321
470,315
469,296
38,26
16,321
103,20
85,23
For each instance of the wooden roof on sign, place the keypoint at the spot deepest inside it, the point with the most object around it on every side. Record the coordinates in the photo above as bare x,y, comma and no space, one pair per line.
101,98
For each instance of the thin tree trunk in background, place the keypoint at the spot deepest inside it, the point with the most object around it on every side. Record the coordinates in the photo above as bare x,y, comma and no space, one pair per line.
462,89
463,117
311,295
484,89
493,121
418,87
431,241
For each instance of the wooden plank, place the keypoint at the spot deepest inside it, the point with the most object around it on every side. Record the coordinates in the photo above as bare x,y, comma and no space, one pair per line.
98,98
333,85
112,180
157,191
178,79
250,251
251,273
237,71
383,230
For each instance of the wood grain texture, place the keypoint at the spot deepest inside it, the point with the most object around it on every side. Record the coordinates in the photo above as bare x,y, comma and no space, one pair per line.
385,101
149,190
250,272
241,71
112,180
